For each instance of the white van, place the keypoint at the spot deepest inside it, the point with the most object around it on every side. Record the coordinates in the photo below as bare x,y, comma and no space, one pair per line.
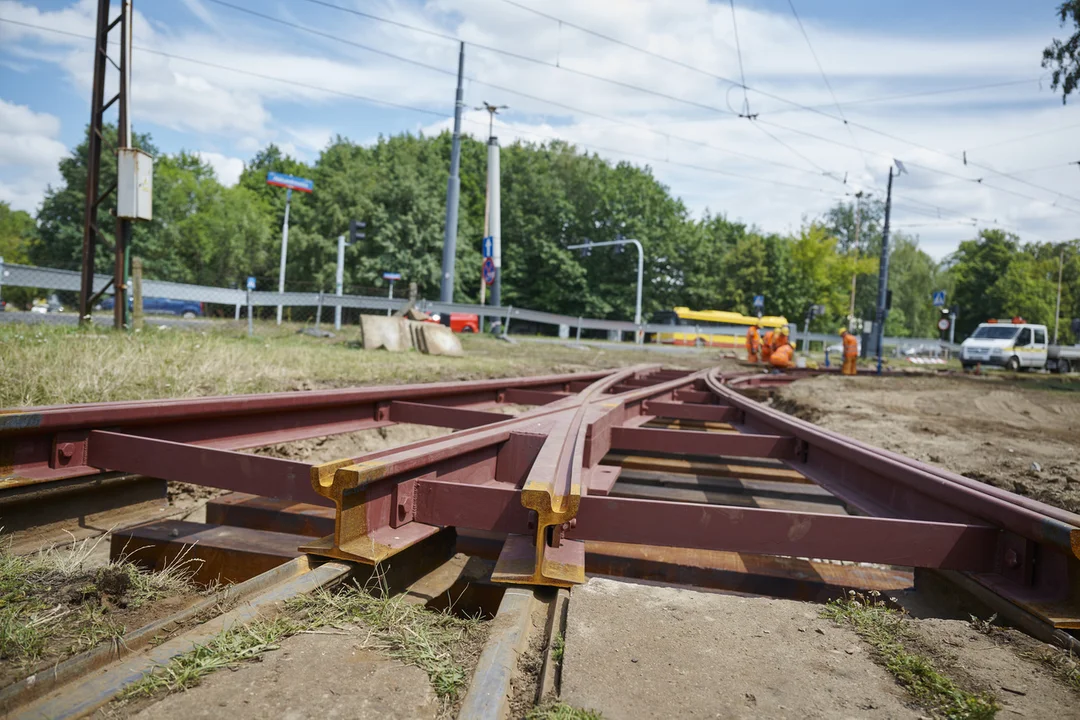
1012,345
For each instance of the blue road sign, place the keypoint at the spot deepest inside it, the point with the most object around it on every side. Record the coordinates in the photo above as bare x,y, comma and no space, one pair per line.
488,270
251,283
939,298
487,246
391,276
290,181
759,301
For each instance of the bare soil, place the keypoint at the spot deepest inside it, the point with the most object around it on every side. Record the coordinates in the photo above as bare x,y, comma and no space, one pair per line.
87,608
1019,435
311,675
646,651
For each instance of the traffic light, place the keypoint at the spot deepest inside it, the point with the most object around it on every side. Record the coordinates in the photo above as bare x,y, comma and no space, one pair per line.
356,233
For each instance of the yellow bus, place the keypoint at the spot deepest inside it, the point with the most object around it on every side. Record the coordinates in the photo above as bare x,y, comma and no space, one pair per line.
713,328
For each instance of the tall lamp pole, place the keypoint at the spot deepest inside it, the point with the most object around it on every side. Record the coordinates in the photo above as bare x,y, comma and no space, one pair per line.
883,268
640,274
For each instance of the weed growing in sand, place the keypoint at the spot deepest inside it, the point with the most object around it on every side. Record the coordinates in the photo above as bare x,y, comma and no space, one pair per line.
435,642
561,711
227,649
55,604
887,631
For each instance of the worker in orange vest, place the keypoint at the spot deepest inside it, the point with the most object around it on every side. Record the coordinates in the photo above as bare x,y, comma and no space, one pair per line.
783,355
753,344
851,352
767,345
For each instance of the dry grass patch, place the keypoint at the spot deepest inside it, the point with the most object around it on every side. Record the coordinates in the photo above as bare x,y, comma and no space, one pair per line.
60,364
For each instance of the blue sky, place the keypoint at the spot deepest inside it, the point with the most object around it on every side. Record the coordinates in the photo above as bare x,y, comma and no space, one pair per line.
775,172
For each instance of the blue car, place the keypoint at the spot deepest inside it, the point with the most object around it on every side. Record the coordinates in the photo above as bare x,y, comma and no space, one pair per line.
163,306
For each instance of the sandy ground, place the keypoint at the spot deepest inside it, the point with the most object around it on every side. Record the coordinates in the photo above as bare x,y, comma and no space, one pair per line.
642,651
1023,436
324,676
645,651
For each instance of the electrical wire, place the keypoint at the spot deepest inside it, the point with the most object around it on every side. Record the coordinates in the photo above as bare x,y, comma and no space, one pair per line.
440,115
517,92
828,85
817,111
738,52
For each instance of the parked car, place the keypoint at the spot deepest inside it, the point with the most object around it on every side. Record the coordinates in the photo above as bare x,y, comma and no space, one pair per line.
458,322
163,306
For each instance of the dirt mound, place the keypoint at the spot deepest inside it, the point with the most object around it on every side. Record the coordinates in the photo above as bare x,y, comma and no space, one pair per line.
1019,435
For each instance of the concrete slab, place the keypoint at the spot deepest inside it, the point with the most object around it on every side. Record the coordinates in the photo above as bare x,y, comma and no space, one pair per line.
642,651
323,676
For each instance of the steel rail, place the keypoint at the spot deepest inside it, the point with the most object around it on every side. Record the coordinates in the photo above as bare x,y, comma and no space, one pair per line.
540,478
52,443
1038,556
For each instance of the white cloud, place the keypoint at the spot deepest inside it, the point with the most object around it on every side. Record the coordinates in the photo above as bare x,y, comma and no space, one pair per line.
29,154
219,106
226,168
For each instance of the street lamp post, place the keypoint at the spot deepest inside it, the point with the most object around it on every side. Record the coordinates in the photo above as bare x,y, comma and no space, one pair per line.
640,274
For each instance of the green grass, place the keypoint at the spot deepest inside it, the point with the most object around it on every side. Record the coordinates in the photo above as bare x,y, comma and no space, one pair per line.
52,604
558,647
59,364
435,642
887,631
227,649
561,711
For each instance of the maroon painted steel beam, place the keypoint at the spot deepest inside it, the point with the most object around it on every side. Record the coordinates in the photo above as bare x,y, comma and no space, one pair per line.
911,543
690,411
526,396
224,469
442,415
703,444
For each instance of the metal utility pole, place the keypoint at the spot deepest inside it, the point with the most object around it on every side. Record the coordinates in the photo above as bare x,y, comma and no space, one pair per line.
495,219
93,161
453,187
284,250
640,274
883,270
493,206
855,268
123,141
1057,309
339,280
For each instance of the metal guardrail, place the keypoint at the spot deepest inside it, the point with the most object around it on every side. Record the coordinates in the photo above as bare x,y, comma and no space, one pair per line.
53,279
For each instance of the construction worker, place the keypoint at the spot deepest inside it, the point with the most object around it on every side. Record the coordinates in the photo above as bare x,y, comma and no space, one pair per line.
753,344
783,355
851,352
767,346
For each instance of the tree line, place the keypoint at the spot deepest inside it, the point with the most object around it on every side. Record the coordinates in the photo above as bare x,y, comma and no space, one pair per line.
553,195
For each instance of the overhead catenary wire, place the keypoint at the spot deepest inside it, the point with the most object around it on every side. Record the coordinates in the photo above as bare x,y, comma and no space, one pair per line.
518,92
445,115
817,111
828,85
442,116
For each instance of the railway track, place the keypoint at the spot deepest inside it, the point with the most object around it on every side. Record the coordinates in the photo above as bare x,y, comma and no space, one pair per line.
646,473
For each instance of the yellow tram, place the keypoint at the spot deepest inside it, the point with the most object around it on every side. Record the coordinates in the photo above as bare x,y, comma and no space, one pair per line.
713,328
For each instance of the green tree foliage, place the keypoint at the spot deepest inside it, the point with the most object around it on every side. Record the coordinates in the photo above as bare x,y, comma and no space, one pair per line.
18,233
1063,56
553,196
995,276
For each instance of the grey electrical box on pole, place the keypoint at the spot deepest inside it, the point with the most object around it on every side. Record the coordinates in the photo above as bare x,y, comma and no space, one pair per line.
495,219
453,187
339,281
